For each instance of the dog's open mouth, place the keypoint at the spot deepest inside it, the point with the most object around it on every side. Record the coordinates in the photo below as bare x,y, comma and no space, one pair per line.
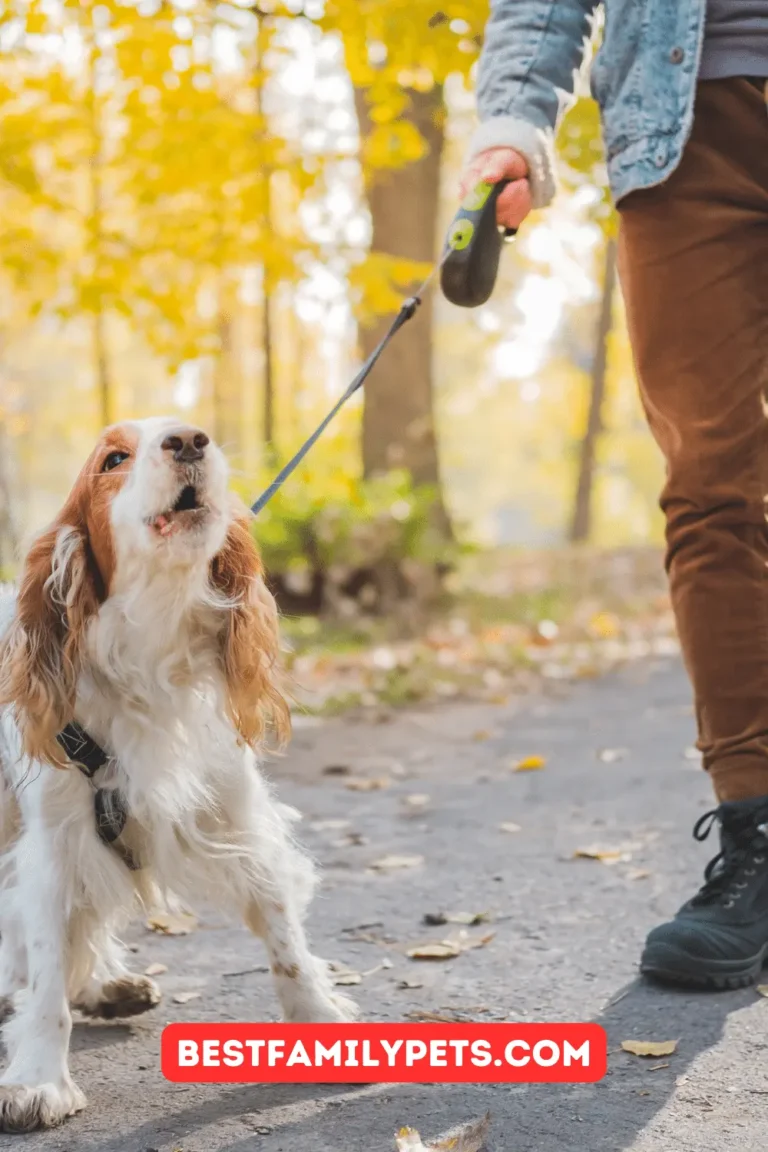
186,511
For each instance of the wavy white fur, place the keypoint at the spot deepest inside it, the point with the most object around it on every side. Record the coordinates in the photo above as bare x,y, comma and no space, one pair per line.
154,686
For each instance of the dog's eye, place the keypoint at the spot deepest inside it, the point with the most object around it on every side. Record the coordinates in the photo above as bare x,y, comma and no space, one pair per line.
113,460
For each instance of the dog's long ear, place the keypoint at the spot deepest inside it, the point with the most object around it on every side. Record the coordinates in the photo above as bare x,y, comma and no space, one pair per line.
41,654
250,640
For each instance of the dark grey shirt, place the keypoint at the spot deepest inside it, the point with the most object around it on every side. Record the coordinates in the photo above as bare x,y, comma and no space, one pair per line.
735,39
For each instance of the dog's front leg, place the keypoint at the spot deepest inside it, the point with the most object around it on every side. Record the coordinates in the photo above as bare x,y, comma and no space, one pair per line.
37,1090
302,982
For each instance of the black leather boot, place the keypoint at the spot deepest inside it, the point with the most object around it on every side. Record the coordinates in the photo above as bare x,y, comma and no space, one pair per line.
719,939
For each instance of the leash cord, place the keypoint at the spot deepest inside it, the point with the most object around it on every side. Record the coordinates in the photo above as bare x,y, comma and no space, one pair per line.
407,311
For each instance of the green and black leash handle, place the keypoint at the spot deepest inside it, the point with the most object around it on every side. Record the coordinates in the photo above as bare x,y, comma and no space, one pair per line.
467,267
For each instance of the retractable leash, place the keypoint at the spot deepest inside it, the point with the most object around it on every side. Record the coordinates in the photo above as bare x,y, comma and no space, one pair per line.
467,268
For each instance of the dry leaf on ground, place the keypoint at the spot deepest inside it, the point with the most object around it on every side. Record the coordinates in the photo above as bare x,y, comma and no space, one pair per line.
439,950
155,969
172,923
529,764
434,919
612,755
347,978
185,997
337,770
393,863
449,949
650,1047
605,855
416,800
469,1137
367,783
509,826
762,989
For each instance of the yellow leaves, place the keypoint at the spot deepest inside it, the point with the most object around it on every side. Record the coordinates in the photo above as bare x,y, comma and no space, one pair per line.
380,283
393,144
650,1047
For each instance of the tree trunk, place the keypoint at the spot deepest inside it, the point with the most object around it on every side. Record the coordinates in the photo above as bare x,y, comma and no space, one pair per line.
101,369
95,226
581,523
398,416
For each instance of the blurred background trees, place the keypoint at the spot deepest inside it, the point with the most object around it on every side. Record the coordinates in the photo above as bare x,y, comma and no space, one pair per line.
214,208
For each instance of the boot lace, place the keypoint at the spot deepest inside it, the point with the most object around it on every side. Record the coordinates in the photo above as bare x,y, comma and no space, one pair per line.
725,873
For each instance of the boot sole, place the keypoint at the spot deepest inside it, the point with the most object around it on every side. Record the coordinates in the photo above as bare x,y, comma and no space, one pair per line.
669,965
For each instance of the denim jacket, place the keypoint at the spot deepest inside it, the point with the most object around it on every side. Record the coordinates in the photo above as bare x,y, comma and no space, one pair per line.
643,78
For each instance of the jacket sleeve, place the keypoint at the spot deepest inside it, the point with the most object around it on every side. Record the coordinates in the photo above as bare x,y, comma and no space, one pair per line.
532,53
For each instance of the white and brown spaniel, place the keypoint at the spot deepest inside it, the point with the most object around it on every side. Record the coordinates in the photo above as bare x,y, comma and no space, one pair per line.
142,617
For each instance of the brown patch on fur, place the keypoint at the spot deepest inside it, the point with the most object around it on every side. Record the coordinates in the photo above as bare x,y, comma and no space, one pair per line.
250,642
291,971
40,657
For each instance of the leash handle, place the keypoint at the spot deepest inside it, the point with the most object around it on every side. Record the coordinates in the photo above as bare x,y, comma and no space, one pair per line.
473,247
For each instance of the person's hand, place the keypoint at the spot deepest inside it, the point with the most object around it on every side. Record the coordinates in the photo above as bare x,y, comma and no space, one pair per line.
514,203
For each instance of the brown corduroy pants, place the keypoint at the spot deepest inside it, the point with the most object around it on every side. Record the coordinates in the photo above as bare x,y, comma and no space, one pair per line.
693,259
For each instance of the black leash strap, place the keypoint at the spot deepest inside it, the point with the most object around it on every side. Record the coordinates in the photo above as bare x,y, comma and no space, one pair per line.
407,311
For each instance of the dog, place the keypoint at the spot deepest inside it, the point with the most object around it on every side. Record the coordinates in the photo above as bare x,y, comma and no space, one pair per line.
142,623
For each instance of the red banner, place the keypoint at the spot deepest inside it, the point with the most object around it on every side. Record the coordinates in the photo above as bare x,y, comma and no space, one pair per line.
384,1053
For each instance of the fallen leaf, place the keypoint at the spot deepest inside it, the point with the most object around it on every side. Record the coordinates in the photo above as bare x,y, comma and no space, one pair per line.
185,997
393,863
508,826
155,969
434,919
441,950
367,783
763,989
650,1047
172,923
606,855
611,755
345,979
482,734
638,874
328,825
469,1137
351,840
468,942
529,764
448,949
416,800
337,770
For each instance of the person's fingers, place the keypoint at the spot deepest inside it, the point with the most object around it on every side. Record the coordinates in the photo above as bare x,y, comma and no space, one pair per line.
494,165
502,164
514,204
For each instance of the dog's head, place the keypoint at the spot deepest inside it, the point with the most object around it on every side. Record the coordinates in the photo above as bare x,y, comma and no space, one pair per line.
150,511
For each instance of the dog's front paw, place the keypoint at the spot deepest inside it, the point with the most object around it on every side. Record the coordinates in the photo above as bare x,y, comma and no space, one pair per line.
24,1109
331,1009
130,995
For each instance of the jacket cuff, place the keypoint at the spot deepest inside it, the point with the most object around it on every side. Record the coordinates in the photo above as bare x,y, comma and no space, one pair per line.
535,144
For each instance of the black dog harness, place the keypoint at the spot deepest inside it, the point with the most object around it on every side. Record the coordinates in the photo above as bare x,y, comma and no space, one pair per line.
109,804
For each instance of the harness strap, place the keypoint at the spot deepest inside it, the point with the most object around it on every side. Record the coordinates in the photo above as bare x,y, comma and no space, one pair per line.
110,808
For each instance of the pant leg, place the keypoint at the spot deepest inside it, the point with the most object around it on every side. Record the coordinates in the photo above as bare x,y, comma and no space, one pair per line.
693,259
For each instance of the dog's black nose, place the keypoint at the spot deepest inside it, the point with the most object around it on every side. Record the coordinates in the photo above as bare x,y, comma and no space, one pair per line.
186,444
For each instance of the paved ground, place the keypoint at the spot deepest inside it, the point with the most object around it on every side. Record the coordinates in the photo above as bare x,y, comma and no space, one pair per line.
568,934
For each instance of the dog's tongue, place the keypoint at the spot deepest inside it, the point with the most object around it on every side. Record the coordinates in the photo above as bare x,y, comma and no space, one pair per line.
163,524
